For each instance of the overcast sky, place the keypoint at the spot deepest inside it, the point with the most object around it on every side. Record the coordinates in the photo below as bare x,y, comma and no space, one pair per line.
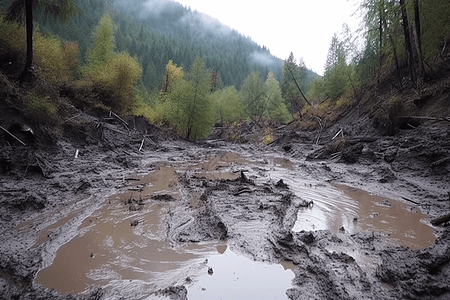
304,27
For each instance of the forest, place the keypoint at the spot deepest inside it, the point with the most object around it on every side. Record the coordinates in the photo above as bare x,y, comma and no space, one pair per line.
173,65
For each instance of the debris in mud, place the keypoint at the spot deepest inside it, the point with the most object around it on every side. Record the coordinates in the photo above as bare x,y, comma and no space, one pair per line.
163,197
415,274
173,293
281,184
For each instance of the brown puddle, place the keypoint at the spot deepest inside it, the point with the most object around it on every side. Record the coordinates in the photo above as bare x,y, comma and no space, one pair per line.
355,210
108,248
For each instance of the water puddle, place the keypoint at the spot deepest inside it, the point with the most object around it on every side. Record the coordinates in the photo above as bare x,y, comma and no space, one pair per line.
237,277
341,208
125,240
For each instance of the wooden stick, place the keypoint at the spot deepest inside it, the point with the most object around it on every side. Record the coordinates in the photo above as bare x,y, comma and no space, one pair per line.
142,144
17,139
416,203
336,134
440,220
12,191
150,139
120,119
427,118
242,191
71,118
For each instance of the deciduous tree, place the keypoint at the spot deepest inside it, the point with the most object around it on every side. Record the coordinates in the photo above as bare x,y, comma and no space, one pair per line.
190,109
21,10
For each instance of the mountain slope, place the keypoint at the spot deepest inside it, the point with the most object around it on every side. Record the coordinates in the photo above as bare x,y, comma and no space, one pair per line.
157,31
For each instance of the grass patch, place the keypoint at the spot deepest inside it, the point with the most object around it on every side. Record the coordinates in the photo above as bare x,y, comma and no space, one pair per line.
40,108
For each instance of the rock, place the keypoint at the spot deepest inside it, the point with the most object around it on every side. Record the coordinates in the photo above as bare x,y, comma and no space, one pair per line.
390,154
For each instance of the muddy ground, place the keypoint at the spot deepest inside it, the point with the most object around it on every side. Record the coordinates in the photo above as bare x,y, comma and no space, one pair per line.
59,179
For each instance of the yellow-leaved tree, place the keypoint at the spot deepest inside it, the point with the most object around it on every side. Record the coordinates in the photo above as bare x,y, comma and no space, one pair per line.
173,74
116,72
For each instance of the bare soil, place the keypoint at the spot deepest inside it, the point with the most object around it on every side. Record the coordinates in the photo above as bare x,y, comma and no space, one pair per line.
60,177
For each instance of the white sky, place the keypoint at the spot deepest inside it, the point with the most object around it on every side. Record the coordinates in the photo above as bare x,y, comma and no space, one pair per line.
304,27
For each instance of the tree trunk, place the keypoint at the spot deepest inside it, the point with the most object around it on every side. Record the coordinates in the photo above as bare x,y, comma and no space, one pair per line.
408,44
295,81
397,65
421,75
29,26
381,12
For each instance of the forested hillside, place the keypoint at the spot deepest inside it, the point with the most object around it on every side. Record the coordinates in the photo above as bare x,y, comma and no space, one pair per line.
159,59
158,31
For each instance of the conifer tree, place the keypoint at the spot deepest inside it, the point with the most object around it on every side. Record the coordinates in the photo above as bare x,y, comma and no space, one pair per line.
293,75
190,109
104,44
252,94
276,109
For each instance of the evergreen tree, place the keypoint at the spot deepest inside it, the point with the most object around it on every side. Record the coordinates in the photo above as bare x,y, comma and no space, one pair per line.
104,44
276,108
336,76
190,109
293,75
253,92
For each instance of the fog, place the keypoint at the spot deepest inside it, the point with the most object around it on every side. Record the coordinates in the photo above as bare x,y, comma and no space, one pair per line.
263,58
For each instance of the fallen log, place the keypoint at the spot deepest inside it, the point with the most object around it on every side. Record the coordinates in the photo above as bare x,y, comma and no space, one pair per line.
416,203
242,191
12,135
120,119
426,118
440,220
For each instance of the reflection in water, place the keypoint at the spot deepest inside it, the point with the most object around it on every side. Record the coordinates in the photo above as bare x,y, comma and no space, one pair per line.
237,277
342,207
109,249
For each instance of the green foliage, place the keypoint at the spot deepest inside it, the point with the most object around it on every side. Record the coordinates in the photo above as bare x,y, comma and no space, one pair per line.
252,95
119,75
335,82
172,74
316,93
289,89
141,108
435,24
55,63
190,109
276,109
39,108
104,44
178,34
227,106
12,34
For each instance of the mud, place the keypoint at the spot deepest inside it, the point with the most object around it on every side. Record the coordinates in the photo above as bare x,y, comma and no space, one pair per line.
182,220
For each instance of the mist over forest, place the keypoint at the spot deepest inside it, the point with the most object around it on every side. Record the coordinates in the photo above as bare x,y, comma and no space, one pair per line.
156,31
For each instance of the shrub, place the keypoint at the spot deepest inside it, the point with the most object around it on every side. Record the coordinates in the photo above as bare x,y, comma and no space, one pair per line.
53,62
119,76
344,100
227,105
39,108
13,34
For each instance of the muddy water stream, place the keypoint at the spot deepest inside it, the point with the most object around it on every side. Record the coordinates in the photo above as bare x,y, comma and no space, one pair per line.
122,245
